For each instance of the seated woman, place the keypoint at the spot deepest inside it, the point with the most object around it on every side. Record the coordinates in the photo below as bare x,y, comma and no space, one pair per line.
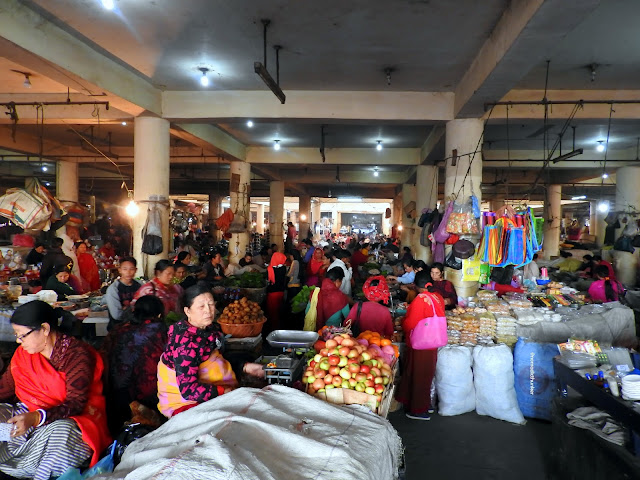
131,353
372,315
605,289
407,277
192,370
162,286
59,421
58,282
419,367
502,281
333,305
443,287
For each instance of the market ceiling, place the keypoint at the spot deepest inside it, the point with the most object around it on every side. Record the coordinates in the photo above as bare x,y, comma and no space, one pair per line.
353,73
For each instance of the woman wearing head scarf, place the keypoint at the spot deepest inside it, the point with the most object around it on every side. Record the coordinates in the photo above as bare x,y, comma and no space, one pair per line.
314,268
419,366
59,421
333,304
276,285
372,315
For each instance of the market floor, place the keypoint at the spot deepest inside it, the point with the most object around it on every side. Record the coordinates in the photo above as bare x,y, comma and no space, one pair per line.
472,446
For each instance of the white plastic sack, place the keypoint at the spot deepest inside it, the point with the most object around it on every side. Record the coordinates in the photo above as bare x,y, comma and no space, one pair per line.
494,383
454,381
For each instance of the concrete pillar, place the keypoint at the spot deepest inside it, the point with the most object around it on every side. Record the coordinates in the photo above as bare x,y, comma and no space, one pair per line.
426,197
304,209
260,219
276,213
593,218
495,204
464,135
627,191
316,213
239,201
67,181
337,221
552,221
92,213
151,176
408,195
396,211
215,210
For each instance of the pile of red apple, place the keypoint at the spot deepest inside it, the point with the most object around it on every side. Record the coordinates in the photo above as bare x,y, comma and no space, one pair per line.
345,362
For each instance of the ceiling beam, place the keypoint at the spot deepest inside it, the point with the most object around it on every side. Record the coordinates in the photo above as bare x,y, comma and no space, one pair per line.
211,138
334,156
323,106
35,36
523,37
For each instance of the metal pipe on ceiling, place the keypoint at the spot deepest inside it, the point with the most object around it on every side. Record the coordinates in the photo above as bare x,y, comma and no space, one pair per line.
489,105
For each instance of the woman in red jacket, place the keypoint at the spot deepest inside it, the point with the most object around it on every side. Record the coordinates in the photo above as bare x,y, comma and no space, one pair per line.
420,365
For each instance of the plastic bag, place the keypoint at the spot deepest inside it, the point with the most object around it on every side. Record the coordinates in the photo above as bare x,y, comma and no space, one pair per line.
454,381
471,270
462,220
494,383
441,234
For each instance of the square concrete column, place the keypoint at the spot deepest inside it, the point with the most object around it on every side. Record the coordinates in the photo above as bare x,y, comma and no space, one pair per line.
67,181
316,213
215,210
426,197
276,213
151,176
408,224
239,202
304,211
553,218
396,212
465,177
260,219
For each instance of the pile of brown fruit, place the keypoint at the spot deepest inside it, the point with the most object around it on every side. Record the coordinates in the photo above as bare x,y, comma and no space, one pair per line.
242,312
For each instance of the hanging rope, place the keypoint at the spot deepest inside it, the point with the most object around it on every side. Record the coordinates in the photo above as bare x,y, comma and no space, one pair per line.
506,195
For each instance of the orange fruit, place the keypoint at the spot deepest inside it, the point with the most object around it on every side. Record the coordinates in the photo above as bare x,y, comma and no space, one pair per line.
384,342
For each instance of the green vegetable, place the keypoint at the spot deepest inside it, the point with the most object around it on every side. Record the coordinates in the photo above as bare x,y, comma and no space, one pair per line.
171,318
299,302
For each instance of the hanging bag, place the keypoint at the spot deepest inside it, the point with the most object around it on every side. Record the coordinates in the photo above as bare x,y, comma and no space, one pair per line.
152,232
430,333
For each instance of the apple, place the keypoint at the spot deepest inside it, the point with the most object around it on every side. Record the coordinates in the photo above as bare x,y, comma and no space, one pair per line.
317,357
379,388
361,377
323,353
311,378
319,373
338,339
385,380
330,344
374,362
348,342
370,390
376,372
307,372
311,390
328,378
324,365
368,363
313,363
334,360
345,384
360,387
345,374
353,353
365,356
365,368
318,384
343,361
369,376
328,387
319,345
334,370
369,383
321,390
337,381
304,379
353,360
379,381
352,382
354,368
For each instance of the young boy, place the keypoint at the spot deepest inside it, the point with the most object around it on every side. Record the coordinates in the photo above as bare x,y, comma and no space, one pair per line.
121,292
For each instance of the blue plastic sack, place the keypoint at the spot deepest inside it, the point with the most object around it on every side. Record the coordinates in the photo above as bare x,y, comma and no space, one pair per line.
104,465
534,377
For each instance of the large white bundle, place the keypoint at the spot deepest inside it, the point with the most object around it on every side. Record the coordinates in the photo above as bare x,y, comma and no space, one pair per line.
494,383
269,434
454,381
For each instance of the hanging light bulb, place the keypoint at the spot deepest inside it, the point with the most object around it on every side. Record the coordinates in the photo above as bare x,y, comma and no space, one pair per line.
600,146
276,144
605,175
132,209
27,81
249,123
379,145
108,4
375,172
44,168
124,124
603,206
204,80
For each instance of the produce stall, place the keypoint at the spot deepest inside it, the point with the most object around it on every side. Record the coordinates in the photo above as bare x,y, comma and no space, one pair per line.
273,433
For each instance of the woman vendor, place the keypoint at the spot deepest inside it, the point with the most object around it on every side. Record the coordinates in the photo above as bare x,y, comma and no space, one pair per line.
162,287
192,370
314,268
276,285
333,305
372,315
605,289
58,282
443,287
420,365
59,421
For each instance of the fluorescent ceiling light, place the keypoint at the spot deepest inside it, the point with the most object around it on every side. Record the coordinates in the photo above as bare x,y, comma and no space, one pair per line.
579,197
350,199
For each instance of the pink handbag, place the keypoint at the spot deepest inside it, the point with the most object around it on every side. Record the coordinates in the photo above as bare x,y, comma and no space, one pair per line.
430,333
